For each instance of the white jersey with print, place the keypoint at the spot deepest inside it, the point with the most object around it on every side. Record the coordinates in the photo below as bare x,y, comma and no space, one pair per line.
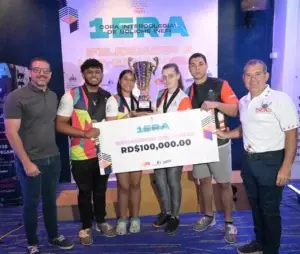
265,119
112,107
180,102
66,106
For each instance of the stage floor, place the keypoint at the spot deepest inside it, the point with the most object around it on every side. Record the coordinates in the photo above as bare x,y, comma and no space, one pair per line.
191,202
152,240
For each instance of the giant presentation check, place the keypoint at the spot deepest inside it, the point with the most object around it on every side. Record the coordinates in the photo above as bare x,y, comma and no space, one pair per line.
157,141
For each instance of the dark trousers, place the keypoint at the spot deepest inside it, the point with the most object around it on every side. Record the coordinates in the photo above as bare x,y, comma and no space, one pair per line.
45,185
91,185
259,173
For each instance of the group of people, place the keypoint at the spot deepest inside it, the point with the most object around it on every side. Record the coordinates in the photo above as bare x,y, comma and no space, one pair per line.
269,123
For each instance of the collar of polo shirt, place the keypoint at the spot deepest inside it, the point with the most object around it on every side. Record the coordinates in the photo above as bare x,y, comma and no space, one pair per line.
36,89
265,93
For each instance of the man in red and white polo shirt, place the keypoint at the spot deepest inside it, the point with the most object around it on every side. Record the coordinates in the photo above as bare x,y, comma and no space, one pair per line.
269,127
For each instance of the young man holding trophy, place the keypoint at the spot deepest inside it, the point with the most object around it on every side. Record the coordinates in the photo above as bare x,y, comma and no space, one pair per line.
125,105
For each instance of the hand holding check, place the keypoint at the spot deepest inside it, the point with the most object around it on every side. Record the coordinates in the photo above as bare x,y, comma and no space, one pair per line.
208,105
222,134
92,133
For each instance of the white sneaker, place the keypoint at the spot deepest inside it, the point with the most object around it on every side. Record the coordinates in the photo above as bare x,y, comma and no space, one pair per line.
135,225
122,227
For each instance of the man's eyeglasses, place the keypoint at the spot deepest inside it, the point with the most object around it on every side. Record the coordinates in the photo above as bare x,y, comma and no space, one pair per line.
39,70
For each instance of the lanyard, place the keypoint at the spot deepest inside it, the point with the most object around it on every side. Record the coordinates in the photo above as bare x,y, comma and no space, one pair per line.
132,101
168,103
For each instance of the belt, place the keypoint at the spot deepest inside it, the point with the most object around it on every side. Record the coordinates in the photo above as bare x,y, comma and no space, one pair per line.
264,155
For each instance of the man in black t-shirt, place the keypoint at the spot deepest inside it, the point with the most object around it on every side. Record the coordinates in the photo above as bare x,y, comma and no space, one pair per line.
214,94
78,109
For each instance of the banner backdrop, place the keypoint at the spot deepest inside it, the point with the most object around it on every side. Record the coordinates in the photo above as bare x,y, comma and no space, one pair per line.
113,30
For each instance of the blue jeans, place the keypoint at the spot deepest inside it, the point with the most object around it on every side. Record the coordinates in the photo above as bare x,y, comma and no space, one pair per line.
168,182
259,173
44,185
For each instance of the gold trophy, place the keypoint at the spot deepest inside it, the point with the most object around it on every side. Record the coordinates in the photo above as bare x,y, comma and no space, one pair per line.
143,71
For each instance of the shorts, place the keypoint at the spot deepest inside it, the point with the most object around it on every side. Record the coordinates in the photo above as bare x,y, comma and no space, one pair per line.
221,170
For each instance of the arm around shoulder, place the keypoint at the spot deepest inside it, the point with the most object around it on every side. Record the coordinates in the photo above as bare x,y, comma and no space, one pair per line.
234,134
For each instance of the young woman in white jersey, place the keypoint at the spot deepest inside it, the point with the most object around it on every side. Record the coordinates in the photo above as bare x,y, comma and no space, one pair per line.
168,180
120,106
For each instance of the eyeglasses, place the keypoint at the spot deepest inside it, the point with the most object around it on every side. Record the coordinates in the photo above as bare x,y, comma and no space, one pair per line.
39,70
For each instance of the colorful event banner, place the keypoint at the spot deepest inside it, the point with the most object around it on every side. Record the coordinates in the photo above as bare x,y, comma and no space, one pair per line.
157,141
113,30
11,77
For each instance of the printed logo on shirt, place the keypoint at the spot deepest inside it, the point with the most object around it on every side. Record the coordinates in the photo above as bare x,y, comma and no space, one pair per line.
265,107
211,96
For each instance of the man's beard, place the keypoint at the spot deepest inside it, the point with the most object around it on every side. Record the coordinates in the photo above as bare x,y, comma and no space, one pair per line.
40,84
93,84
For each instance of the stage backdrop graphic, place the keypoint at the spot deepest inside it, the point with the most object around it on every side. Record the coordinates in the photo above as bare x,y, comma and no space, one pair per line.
113,30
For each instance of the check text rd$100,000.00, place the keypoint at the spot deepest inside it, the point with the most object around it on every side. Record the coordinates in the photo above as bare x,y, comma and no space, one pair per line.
157,141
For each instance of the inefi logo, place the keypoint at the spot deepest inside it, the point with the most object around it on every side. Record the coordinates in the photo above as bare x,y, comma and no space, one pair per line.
152,127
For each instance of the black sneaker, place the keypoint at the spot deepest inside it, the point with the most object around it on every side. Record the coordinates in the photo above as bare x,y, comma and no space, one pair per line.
161,220
172,225
33,250
62,243
251,248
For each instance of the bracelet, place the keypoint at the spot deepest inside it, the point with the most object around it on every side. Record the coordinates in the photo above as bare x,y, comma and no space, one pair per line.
83,134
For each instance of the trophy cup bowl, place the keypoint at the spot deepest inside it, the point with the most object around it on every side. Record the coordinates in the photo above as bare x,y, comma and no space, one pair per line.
143,71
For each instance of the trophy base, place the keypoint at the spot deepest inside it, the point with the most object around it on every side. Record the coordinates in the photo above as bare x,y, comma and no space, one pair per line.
150,110
146,107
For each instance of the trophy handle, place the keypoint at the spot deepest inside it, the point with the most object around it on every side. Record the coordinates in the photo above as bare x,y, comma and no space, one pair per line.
156,65
130,59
